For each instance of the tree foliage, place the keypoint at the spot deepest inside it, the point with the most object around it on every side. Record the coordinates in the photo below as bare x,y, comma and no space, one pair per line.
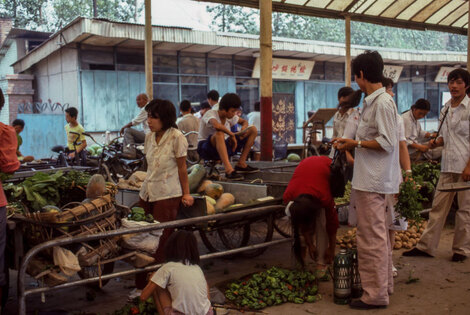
51,15
243,20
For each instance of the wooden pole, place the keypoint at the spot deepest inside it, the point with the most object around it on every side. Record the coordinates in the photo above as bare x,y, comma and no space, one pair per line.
468,39
347,72
266,79
148,50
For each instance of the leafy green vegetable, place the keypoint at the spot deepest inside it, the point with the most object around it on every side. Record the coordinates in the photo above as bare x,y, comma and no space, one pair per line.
273,287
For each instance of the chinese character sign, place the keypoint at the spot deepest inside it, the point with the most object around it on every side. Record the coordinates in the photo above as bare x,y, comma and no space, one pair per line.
392,72
287,69
443,73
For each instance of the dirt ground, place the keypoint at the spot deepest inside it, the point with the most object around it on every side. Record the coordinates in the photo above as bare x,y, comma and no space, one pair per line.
443,286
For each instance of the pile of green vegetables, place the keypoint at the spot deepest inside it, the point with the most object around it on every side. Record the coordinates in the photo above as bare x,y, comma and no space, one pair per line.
414,192
43,189
138,307
273,287
138,214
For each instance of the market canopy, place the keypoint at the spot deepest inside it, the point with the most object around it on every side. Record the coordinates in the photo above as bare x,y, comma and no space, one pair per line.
439,15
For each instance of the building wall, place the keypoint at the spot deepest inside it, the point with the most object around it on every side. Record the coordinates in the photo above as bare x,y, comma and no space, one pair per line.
5,68
57,78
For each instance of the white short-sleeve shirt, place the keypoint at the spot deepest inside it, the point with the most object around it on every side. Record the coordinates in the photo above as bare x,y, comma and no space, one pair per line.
456,133
378,170
413,131
205,127
187,287
162,180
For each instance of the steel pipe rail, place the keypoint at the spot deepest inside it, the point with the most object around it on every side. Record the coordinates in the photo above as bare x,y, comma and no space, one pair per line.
22,292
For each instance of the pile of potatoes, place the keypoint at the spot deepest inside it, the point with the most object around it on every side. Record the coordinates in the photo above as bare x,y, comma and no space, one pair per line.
347,240
403,239
409,238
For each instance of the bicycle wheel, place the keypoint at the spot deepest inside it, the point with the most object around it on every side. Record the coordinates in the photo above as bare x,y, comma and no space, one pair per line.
282,225
235,236
210,239
260,232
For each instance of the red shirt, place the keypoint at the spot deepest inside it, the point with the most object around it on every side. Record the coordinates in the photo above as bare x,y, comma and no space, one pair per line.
312,177
8,159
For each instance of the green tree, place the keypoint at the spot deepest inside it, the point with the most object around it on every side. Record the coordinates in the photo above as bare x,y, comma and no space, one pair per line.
243,20
51,15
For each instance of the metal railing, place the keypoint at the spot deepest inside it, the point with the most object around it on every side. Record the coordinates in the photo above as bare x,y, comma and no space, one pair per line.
242,214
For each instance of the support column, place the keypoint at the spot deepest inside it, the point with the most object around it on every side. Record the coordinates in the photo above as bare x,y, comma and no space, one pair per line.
148,50
468,39
347,72
266,79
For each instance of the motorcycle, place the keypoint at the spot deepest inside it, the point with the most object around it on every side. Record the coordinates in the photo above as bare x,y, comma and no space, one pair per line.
112,165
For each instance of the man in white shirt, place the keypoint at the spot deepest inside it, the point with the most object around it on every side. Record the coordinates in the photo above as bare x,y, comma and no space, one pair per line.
213,99
254,119
416,137
203,108
188,123
218,142
376,174
131,135
455,167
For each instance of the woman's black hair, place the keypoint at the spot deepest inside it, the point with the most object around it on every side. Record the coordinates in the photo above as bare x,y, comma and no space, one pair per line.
303,212
387,82
371,64
345,91
352,100
181,246
164,110
422,104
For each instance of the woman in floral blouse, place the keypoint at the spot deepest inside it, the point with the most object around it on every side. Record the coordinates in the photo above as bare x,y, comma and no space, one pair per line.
166,186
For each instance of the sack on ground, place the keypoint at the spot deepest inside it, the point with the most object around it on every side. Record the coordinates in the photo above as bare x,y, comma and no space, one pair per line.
146,241
66,260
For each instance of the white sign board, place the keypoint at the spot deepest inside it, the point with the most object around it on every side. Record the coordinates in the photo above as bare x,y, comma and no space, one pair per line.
287,69
443,73
392,72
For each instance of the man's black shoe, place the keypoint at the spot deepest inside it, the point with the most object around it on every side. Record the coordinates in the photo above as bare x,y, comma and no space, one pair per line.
246,170
234,176
416,252
457,257
359,305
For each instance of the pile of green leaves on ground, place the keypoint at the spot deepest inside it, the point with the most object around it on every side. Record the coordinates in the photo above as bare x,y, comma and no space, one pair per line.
138,307
43,189
273,287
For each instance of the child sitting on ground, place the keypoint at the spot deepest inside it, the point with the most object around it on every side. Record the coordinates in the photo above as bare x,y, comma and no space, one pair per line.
179,286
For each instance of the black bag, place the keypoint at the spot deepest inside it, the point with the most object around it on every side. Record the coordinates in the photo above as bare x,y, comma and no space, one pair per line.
338,174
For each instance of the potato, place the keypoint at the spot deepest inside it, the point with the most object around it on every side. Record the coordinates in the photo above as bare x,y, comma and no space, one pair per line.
421,230
397,238
418,235
350,232
398,245
225,200
407,233
413,242
349,245
407,245
405,238
414,235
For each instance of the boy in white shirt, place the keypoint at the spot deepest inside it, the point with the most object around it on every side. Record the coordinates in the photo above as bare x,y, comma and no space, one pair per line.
218,142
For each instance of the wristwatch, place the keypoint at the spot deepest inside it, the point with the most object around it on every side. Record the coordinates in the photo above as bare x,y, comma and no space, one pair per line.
359,144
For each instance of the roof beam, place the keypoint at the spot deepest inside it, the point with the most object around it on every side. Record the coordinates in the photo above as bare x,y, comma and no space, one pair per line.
333,14
351,5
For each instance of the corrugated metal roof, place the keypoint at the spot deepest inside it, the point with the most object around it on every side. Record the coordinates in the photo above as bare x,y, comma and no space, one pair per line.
439,15
106,33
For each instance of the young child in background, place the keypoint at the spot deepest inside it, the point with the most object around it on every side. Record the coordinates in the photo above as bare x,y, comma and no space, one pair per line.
179,286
